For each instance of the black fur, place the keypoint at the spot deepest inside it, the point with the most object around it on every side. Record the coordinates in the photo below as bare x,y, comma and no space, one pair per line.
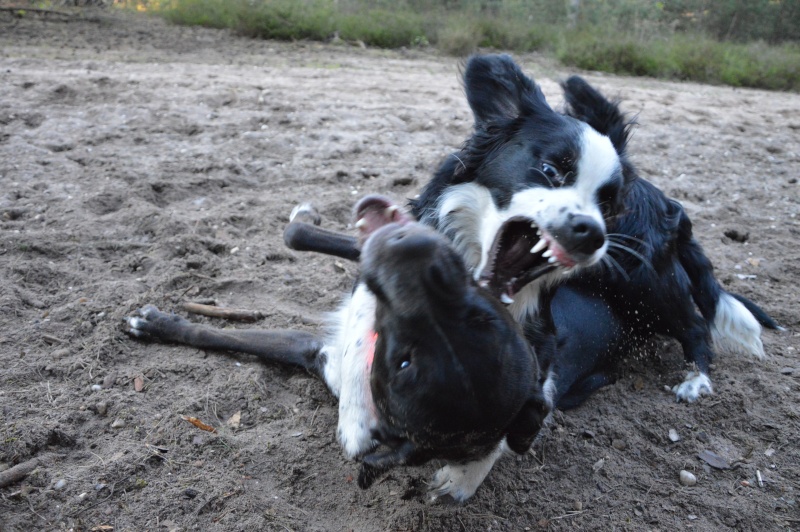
662,277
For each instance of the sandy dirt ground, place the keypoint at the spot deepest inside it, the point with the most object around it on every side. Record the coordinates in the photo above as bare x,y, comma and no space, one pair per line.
145,163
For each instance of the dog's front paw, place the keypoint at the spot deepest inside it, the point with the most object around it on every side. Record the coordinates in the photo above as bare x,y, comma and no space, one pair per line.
355,429
153,323
695,386
459,481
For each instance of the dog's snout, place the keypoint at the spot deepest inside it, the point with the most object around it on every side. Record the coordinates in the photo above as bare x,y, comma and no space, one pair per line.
583,234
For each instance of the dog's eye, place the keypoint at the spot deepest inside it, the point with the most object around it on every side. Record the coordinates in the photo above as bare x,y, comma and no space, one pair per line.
552,174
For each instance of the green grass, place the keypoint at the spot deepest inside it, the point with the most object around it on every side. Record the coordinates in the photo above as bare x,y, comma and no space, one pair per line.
640,47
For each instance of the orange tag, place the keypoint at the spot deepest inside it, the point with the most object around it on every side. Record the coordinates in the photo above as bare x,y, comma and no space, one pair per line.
370,346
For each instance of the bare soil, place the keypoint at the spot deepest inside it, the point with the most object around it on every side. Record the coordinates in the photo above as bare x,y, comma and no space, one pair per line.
146,163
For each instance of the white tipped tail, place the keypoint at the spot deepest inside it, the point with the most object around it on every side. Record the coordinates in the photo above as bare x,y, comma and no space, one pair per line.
735,328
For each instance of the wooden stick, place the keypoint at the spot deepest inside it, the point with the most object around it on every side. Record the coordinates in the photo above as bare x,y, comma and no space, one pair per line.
18,472
37,10
221,312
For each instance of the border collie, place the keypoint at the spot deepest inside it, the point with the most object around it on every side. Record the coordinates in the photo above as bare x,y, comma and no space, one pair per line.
550,215
425,364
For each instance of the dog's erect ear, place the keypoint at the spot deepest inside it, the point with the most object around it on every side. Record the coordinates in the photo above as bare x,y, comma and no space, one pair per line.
526,425
586,104
498,90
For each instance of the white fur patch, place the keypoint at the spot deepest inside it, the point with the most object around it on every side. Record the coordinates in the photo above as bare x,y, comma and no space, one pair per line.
347,370
695,385
735,329
549,389
460,481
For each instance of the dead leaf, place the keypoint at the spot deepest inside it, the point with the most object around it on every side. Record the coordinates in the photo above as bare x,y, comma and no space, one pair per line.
199,424
102,528
713,459
754,262
138,383
234,420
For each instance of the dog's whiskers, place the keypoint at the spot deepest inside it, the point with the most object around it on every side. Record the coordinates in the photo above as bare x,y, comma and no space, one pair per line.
538,171
629,237
622,247
609,260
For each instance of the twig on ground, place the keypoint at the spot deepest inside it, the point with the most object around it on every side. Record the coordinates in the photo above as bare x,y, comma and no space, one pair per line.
18,472
220,312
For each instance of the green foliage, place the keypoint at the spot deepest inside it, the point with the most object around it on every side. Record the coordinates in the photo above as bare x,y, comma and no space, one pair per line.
700,40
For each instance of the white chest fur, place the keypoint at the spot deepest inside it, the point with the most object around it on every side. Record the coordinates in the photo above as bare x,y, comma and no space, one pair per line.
349,353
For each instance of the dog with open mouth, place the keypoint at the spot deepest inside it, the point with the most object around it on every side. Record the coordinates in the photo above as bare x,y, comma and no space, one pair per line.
551,217
425,364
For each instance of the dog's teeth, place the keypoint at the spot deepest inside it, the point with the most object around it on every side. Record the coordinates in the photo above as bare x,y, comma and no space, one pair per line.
538,232
483,283
548,253
553,260
361,223
390,210
506,299
540,245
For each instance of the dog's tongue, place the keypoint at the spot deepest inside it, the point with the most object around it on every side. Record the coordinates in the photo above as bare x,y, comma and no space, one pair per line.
373,212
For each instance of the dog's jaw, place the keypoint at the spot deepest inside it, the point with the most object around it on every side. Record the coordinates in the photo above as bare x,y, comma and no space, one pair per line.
470,218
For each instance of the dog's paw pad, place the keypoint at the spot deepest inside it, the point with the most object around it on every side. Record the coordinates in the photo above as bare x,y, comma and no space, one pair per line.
695,386
307,213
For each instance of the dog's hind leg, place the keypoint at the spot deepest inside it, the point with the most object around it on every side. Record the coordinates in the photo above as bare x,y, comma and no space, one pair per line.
289,347
303,233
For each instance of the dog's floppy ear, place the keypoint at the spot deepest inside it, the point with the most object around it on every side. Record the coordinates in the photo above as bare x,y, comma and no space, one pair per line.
498,90
586,104
526,425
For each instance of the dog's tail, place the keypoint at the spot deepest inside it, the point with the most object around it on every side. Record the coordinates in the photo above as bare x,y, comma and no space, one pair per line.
734,320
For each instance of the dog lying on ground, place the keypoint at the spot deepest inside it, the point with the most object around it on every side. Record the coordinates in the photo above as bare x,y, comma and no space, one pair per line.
549,214
425,364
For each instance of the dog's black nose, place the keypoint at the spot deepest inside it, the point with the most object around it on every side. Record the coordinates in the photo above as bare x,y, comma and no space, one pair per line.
583,235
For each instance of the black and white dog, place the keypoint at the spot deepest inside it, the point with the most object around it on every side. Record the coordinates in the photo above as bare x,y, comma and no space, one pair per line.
550,215
425,364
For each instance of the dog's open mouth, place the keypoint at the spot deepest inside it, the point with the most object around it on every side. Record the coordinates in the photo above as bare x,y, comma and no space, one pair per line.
521,252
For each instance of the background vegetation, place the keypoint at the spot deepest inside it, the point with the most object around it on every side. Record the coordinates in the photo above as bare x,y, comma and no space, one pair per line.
747,43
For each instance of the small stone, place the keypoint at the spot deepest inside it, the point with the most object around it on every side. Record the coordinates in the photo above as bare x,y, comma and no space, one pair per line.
109,380
588,433
687,478
60,484
59,353
599,465
674,436
138,383
638,384
703,437
99,486
190,493
102,408
96,387
577,505
787,371
118,423
619,445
